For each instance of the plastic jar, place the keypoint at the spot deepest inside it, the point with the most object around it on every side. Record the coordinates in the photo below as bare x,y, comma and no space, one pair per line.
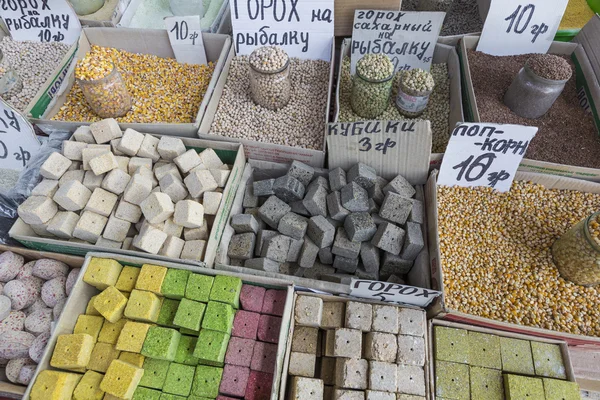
85,7
270,88
10,81
108,97
577,254
372,85
412,102
186,7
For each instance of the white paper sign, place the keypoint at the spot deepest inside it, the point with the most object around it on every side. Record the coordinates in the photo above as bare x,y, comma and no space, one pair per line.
482,154
185,36
515,27
408,38
17,139
303,28
392,292
41,20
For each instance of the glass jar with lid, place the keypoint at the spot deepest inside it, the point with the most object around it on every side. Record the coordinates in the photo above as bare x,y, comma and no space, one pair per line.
270,83
86,7
414,90
106,95
10,82
186,7
372,85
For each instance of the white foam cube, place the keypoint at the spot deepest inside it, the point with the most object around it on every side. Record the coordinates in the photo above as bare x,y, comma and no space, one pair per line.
172,229
157,207
37,210
173,187
211,202
55,166
199,182
128,212
106,130
187,161
114,147
127,243
101,202
165,169
210,159
108,244
116,181
138,188
221,176
75,165
137,162
131,142
196,233
198,168
84,134
90,226
170,147
62,224
189,214
150,239
116,229
193,250
172,247
156,190
72,196
147,172
68,176
41,230
123,163
47,187
72,150
103,163
92,181
92,152
148,148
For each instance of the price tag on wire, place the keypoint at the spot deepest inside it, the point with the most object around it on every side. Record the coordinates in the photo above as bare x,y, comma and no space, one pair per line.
515,27
482,154
17,139
185,36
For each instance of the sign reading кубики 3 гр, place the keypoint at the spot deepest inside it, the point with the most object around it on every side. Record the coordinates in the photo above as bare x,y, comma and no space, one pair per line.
17,139
303,28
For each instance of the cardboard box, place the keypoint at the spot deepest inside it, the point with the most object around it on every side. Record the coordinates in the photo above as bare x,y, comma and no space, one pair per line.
564,349
106,17
230,153
586,366
82,292
587,84
442,311
9,389
146,41
265,151
588,38
344,12
443,54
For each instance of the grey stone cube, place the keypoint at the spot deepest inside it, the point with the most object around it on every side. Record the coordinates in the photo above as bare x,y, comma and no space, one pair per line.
335,208
250,200
360,227
395,265
380,346
273,210
400,186
318,270
308,254
241,246
288,188
362,273
302,172
411,350
263,188
254,212
362,174
411,380
320,231
262,264
382,376
344,279
292,269
369,254
315,201
413,243
276,248
293,225
385,319
244,223
396,279
417,213
326,256
294,252
298,208
395,208
342,246
354,198
319,181
337,179
345,264
359,315
376,191
373,207
351,373
261,238
389,237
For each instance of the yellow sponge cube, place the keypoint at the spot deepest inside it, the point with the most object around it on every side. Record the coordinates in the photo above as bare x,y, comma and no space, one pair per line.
132,336
111,304
90,324
102,356
110,332
132,358
121,379
72,351
143,306
89,387
151,278
108,396
102,272
90,309
127,279
54,385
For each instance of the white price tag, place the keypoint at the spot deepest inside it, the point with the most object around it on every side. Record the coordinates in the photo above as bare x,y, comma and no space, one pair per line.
185,36
515,27
408,38
41,20
17,139
303,28
482,154
392,292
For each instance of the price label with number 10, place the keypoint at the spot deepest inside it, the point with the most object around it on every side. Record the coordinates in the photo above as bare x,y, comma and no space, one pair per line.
186,39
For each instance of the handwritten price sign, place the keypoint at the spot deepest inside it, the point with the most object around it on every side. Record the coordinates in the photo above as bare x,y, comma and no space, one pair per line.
392,292
185,36
480,154
17,139
515,27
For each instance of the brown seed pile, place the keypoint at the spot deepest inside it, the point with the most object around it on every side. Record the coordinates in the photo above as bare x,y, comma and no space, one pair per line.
566,135
549,66
496,256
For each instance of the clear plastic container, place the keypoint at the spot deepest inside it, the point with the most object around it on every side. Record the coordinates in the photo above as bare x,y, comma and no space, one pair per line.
108,97
85,7
577,255
10,81
370,98
410,102
271,89
186,7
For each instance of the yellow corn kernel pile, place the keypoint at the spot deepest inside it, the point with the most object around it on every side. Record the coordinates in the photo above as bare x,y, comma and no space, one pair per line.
92,68
497,261
163,90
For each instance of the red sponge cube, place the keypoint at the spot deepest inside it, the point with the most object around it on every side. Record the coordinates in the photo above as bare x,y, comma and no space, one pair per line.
234,380
239,351
268,328
251,298
259,386
274,302
245,324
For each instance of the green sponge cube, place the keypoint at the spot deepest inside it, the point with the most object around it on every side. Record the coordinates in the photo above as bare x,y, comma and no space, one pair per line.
198,287
211,347
561,390
155,373
452,380
189,314
168,396
179,379
161,343
167,312
226,289
142,393
484,350
516,356
218,317
486,384
185,351
519,387
547,360
174,284
190,332
451,344
207,381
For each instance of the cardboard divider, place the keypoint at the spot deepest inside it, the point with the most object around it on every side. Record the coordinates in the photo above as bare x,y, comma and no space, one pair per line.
82,293
230,153
586,366
145,41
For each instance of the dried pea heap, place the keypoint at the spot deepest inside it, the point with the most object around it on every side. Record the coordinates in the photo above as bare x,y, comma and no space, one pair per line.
496,256
375,67
162,89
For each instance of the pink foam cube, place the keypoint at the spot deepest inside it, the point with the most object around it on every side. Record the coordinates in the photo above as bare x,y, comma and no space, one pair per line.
274,302
245,324
251,298
264,357
259,386
268,328
239,351
234,380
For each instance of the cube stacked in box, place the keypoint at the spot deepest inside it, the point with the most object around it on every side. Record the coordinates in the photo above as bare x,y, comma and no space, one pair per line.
128,190
33,295
481,366
356,223
354,350
162,333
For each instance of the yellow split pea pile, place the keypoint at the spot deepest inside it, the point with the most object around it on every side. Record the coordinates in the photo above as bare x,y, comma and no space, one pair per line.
162,90
497,261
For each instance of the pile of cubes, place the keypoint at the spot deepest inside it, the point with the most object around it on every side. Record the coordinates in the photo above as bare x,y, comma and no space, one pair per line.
156,333
356,351
128,191
355,223
475,365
